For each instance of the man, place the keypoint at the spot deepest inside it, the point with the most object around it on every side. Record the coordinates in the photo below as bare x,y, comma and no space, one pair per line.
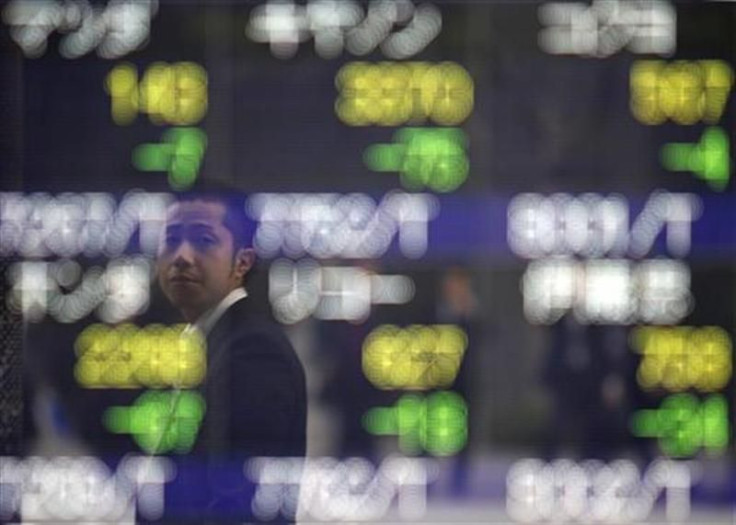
254,387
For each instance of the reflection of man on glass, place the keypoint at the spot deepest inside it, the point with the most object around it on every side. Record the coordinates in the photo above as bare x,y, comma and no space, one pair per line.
254,387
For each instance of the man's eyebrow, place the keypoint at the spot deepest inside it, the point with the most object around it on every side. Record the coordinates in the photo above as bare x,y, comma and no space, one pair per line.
202,226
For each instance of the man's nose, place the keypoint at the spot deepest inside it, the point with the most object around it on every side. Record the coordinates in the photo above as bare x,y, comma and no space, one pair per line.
184,255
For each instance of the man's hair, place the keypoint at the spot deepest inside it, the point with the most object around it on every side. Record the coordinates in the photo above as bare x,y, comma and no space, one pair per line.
235,219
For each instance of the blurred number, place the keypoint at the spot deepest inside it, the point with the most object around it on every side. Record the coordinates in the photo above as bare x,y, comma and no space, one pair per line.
437,424
708,159
391,93
169,93
179,153
131,357
426,157
685,92
683,357
683,424
159,421
414,358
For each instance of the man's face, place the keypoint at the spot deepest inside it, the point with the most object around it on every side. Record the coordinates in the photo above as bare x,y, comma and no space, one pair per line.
196,266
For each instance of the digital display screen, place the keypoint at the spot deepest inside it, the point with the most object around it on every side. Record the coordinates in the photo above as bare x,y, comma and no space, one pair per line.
494,240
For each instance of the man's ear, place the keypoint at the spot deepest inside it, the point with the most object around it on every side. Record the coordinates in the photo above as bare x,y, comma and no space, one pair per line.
244,261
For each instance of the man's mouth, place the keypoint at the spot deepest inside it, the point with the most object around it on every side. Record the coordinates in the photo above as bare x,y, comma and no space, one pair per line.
183,279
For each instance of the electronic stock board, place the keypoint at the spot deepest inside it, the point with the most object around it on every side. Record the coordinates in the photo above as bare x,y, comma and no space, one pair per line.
500,236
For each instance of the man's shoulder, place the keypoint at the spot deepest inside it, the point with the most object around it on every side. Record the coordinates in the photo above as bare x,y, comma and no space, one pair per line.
245,330
243,317
255,388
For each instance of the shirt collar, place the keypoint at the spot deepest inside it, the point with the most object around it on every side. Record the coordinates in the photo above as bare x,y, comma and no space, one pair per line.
207,320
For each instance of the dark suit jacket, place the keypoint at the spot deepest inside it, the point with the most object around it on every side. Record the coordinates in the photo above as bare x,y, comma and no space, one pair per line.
254,389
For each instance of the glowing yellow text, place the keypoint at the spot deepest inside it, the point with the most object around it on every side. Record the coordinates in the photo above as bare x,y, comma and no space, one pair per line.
395,93
414,358
169,93
128,356
683,357
683,91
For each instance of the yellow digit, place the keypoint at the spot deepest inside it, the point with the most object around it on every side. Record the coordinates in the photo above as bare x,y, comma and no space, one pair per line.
419,94
192,360
681,92
718,83
118,370
370,93
454,98
453,342
90,348
421,365
714,345
190,95
644,85
676,359
395,97
399,349
351,102
647,373
378,350
157,92
122,85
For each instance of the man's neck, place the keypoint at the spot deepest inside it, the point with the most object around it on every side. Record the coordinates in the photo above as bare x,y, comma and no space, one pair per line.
207,320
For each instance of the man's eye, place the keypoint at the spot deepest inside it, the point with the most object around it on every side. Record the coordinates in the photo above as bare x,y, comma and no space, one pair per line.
205,240
172,240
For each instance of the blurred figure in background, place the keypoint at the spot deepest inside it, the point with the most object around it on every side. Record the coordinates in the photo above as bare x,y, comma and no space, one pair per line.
458,305
585,372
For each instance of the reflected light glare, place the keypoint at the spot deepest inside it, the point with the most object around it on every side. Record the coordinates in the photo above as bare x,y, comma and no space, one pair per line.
328,20
350,489
70,225
298,290
82,489
424,27
605,27
61,290
593,225
391,289
592,491
281,24
127,282
607,291
397,26
331,225
120,27
608,295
